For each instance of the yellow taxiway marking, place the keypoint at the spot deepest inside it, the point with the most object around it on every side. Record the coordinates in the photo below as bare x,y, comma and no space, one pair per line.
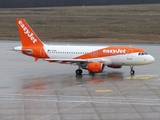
141,77
104,91
77,105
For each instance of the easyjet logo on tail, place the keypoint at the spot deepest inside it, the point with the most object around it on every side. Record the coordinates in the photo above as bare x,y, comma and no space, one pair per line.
27,32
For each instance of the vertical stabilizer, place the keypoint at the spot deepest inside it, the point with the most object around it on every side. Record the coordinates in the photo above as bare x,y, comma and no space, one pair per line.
27,35
31,44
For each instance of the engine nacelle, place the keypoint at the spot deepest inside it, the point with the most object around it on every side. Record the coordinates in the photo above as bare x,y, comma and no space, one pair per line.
95,67
114,66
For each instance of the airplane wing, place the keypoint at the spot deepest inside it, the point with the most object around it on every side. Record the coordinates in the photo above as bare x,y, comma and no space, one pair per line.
105,61
66,60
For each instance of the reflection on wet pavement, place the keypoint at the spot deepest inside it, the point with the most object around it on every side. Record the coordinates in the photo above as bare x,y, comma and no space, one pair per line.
36,84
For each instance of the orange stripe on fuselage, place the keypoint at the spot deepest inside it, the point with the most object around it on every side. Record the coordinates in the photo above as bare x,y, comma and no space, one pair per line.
110,51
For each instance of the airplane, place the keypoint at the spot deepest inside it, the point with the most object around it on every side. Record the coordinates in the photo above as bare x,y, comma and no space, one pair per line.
91,58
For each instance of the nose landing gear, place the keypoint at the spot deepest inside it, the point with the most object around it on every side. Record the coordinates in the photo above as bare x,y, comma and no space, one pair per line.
132,70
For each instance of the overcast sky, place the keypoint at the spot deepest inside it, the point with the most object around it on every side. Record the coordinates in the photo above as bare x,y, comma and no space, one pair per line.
50,3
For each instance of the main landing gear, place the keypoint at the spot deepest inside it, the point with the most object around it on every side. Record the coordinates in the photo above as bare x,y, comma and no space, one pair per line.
132,70
78,71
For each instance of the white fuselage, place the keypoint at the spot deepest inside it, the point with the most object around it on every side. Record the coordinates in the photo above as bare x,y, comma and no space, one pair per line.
71,52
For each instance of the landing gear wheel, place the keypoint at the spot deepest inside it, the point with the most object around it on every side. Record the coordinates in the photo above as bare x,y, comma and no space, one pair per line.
78,72
132,71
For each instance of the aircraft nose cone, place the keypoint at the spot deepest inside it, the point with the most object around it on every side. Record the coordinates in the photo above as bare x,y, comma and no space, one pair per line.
151,59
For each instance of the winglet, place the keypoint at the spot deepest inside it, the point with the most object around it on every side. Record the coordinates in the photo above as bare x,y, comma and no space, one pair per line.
27,35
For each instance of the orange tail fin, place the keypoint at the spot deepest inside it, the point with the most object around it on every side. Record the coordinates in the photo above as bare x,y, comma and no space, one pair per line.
27,35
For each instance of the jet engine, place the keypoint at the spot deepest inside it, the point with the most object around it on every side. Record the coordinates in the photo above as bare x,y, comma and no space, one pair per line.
95,67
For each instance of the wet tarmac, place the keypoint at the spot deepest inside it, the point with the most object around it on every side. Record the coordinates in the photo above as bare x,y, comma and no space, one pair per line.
48,91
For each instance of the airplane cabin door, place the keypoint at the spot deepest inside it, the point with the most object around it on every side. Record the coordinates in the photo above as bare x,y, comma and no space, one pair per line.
94,54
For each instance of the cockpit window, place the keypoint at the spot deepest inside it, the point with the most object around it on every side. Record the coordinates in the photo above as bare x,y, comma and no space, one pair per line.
142,53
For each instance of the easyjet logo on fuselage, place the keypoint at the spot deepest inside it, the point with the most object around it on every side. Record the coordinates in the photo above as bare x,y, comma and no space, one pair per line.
27,32
112,51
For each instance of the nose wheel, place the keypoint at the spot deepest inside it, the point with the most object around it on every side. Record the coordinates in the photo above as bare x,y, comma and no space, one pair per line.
132,70
78,72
